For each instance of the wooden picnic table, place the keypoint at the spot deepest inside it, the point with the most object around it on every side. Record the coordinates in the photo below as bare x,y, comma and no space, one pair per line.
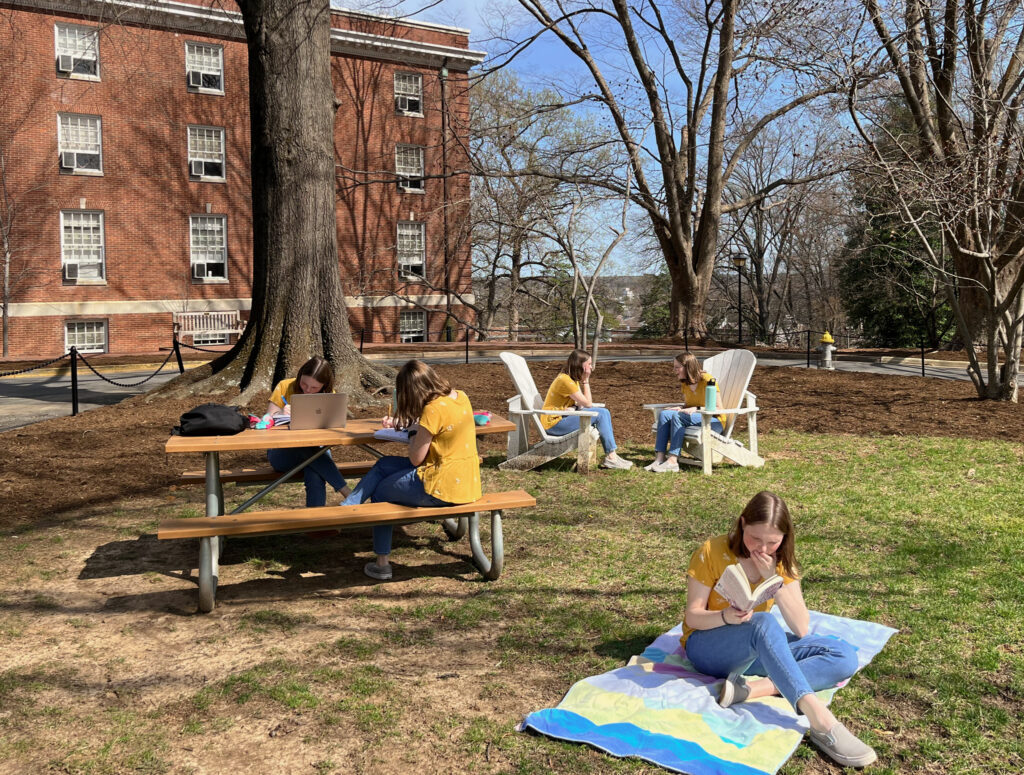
355,433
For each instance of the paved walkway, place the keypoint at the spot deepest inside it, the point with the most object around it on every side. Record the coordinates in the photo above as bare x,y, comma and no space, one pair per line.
43,394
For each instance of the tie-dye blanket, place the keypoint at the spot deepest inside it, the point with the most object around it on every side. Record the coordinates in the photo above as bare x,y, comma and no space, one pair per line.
660,709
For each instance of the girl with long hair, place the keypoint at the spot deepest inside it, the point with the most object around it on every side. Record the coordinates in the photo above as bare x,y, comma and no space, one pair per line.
314,376
442,467
725,642
571,389
673,421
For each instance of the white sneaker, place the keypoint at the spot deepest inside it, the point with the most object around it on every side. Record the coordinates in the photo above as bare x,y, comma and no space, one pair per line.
662,468
650,466
614,461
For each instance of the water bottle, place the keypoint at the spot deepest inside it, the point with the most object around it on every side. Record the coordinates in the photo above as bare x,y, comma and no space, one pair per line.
710,397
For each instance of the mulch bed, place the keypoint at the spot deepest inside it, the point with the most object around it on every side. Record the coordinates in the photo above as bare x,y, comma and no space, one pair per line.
55,468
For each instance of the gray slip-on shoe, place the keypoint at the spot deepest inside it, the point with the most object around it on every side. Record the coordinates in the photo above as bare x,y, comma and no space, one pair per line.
616,462
734,690
666,467
374,571
843,747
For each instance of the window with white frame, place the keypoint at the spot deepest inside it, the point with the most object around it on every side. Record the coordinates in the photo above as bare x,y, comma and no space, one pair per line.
206,152
411,249
86,336
209,248
80,143
81,245
204,68
412,325
208,338
409,94
78,51
409,167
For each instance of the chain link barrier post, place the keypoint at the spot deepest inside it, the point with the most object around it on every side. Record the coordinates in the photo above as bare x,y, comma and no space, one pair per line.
361,332
177,354
74,381
808,348
922,356
467,344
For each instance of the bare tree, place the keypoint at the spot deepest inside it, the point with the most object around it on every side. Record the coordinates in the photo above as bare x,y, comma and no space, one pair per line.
959,67
691,86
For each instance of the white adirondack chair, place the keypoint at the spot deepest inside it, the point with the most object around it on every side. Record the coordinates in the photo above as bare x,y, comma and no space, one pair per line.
525,409
732,371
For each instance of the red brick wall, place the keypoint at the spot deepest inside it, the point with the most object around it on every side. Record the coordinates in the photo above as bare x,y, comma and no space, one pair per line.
146,195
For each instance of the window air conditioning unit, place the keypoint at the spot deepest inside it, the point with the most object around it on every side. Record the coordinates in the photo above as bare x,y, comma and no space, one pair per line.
65,63
197,168
67,160
70,271
195,79
199,271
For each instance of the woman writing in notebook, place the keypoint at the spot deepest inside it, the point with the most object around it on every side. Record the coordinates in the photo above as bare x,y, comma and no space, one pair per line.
314,376
725,642
442,467
673,421
571,390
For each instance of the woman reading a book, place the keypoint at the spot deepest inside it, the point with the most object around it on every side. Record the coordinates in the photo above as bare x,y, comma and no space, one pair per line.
571,390
729,638
674,420
442,467
314,376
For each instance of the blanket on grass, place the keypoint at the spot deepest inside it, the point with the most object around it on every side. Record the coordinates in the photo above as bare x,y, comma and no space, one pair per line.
658,708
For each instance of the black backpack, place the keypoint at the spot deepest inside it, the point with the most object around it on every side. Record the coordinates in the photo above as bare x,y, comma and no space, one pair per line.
211,420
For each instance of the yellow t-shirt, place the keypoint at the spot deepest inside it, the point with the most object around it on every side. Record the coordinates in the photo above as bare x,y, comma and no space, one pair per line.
707,566
451,470
558,398
284,391
695,396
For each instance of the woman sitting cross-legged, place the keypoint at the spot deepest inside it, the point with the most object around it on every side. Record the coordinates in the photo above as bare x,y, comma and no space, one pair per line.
571,389
442,468
725,642
673,421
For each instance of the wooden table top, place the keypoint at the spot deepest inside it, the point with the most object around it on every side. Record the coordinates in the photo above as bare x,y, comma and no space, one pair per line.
355,432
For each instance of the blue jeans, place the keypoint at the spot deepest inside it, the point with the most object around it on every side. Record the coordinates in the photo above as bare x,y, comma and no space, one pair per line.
392,479
317,475
797,666
603,423
672,427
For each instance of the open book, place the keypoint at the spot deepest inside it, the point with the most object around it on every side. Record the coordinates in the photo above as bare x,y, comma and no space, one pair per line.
735,588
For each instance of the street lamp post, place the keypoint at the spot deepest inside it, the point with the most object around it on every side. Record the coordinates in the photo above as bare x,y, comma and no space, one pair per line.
739,261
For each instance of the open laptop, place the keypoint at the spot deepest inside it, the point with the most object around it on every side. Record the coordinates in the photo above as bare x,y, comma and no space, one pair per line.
319,410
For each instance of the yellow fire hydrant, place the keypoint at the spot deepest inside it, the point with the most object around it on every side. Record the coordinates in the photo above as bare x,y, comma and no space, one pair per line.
827,348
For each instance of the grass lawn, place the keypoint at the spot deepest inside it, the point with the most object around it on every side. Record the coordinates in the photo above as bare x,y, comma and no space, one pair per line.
304,668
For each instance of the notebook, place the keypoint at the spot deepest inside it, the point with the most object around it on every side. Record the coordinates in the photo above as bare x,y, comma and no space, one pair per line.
319,410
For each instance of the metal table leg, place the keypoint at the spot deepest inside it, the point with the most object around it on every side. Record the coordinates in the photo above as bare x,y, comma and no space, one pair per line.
490,569
209,548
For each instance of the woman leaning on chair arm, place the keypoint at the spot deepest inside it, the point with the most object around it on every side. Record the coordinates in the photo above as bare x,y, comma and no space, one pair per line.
571,389
724,642
673,421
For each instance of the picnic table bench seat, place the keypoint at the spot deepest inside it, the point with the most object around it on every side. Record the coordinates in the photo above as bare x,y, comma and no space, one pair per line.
456,520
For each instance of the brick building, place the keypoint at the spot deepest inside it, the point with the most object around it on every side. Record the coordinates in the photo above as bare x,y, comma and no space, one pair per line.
124,142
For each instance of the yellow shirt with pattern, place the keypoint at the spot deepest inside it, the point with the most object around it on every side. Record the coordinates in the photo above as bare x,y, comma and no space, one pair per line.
695,396
707,566
558,398
451,470
284,391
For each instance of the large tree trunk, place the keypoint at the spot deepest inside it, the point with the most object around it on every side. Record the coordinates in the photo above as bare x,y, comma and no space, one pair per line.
298,304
